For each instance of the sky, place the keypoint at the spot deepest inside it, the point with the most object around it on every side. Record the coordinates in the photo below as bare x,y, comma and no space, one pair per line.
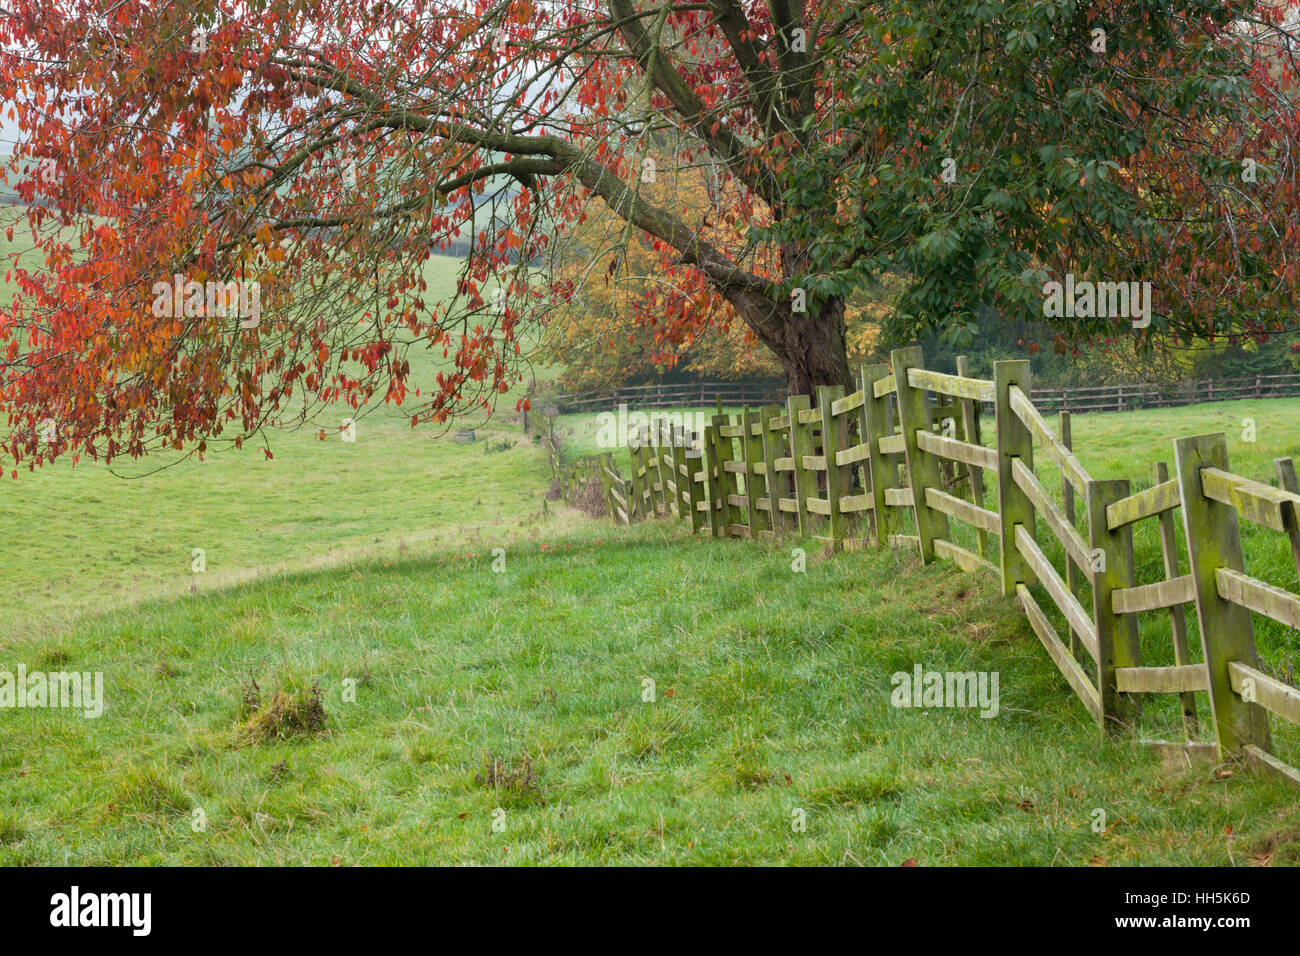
8,131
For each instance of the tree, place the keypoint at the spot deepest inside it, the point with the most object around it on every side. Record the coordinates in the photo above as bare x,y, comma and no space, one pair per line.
320,150
1010,144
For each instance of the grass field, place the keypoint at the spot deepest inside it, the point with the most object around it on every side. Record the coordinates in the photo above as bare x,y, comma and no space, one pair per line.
91,537
398,708
762,708
359,676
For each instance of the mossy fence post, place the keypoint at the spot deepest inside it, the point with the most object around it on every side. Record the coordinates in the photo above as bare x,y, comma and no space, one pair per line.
922,467
751,448
713,467
1177,613
801,446
661,476
696,482
729,477
1227,634
970,421
1117,634
839,478
1065,431
1014,440
677,464
881,468
1286,479
773,480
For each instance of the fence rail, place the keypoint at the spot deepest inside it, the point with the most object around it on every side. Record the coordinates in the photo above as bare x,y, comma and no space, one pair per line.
901,460
1089,398
664,396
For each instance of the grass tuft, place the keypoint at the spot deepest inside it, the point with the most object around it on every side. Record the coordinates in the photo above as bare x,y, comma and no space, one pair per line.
286,714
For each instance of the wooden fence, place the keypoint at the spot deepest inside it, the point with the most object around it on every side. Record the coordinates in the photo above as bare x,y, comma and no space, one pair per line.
670,396
901,461
1088,398
1103,398
573,475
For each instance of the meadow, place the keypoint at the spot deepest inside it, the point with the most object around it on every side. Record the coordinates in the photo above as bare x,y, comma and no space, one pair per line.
602,696
401,652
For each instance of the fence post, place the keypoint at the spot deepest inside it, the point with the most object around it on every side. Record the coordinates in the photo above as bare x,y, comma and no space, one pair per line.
801,444
1177,615
1117,634
695,485
835,435
619,487
774,479
1286,479
751,446
605,487
875,426
1067,504
651,473
970,420
729,480
1227,634
660,473
922,467
713,475
1014,440
677,463
636,503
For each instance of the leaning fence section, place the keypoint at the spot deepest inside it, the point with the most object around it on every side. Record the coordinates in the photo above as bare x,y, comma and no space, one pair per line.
902,461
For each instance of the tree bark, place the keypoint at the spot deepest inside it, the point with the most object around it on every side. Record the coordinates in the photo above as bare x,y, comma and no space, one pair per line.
816,350
811,346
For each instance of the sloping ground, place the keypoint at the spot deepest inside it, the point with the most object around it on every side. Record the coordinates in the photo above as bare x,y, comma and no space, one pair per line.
519,698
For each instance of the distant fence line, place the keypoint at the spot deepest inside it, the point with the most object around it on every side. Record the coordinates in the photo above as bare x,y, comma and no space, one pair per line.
677,394
575,479
901,461
1085,398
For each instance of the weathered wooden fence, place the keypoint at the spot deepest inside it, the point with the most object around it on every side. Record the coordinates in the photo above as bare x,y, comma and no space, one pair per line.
574,475
669,395
1084,398
901,461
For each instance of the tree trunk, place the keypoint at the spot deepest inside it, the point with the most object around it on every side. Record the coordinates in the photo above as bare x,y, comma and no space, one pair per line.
811,346
815,351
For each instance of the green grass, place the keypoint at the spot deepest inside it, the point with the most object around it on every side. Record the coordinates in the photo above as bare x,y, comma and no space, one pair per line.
367,567
763,706
1127,445
522,691
81,537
